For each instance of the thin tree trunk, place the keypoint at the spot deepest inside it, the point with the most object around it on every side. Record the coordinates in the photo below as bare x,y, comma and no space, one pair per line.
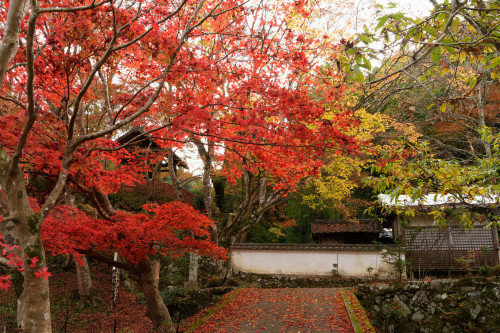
106,210
68,261
173,177
85,287
84,281
482,98
192,282
115,282
206,156
151,189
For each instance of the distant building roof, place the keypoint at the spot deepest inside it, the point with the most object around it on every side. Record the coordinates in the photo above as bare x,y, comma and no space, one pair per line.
136,137
336,226
435,199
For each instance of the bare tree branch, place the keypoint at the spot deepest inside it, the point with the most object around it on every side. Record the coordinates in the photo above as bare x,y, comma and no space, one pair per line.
431,47
91,76
30,89
4,262
15,101
72,9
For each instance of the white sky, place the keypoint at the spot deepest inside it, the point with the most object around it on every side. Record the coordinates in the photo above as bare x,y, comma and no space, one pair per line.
415,7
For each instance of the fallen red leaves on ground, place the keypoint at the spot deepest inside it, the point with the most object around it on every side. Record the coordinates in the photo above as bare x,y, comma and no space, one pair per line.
282,310
67,316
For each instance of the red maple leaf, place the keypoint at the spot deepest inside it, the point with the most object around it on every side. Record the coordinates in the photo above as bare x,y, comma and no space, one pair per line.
43,273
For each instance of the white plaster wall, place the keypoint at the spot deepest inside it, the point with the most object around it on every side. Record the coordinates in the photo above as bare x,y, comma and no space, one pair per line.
308,262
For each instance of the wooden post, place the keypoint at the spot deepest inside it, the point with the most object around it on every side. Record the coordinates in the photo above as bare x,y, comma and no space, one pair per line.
496,245
450,254
396,227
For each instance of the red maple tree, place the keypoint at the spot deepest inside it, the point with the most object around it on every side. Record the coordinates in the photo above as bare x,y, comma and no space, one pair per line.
245,85
169,229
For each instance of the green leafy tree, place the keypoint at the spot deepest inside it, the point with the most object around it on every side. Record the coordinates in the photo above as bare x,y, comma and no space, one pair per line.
473,191
440,71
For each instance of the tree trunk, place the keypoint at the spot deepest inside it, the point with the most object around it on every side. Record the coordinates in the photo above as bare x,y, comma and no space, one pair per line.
206,156
173,177
156,270
155,307
85,287
22,228
103,202
33,306
192,282
84,281
10,40
151,189
226,269
115,282
481,101
68,261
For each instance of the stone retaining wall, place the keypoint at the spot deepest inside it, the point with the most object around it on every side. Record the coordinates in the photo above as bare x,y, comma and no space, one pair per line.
284,281
466,305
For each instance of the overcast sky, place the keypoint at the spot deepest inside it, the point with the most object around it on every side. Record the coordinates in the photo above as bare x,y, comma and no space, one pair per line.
415,7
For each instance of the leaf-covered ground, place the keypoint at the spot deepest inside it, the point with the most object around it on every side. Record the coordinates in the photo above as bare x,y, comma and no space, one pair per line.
65,306
242,310
282,310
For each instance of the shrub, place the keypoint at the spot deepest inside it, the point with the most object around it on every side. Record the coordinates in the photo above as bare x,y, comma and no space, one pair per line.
495,270
484,271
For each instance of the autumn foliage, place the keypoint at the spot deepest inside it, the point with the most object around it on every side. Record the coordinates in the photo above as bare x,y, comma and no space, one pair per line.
235,75
13,260
286,309
170,229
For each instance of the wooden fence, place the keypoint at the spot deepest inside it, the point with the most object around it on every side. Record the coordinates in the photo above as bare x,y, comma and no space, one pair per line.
433,248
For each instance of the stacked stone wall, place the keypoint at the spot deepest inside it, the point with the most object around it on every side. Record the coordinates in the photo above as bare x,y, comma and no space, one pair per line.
465,305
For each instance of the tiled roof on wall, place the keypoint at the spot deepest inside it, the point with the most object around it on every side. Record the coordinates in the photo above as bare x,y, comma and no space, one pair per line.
306,247
335,226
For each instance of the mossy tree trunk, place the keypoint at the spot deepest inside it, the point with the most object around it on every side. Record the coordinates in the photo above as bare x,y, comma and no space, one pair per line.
155,307
22,227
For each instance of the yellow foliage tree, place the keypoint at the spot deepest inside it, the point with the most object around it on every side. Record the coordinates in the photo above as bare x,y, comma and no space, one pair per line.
378,134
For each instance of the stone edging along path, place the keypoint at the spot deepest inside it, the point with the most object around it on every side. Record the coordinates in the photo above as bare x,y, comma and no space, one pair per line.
213,310
357,314
285,310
